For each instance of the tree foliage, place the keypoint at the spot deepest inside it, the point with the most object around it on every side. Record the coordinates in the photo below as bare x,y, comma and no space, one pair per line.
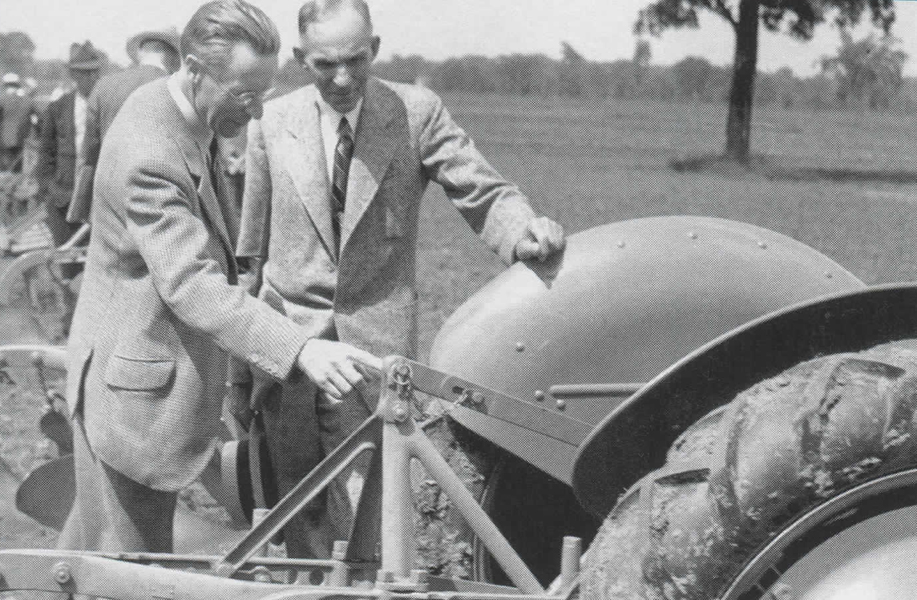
16,52
798,18
867,71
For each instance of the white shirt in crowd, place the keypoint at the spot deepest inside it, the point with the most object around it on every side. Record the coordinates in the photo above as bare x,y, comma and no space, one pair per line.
79,122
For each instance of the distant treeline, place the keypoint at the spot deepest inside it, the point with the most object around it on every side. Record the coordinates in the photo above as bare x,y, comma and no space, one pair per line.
691,79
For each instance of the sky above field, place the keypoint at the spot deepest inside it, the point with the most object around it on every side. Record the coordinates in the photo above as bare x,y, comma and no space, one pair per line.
437,29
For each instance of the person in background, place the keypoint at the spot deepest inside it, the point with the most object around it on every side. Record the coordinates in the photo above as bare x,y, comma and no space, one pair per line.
16,110
333,182
63,130
154,54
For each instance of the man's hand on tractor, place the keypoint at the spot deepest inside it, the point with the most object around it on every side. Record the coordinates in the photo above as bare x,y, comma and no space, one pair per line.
337,368
543,237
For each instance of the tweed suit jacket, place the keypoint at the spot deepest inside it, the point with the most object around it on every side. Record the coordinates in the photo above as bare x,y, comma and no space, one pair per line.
106,99
57,155
405,138
158,315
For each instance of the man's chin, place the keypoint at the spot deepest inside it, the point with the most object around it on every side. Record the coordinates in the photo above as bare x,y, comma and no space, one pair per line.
229,129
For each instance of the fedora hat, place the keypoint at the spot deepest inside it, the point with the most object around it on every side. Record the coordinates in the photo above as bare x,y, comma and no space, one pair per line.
166,36
84,57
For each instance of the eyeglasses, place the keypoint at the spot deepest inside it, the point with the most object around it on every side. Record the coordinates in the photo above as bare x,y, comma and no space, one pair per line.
247,100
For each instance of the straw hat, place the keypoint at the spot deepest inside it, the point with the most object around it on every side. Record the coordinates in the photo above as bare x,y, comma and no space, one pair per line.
166,36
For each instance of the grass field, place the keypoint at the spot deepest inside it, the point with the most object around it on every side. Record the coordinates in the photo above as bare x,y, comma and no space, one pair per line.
845,183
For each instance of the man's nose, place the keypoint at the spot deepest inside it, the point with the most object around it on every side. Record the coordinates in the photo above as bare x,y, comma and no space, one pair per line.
342,77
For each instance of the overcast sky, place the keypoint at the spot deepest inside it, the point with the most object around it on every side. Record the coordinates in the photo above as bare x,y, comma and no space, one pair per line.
437,29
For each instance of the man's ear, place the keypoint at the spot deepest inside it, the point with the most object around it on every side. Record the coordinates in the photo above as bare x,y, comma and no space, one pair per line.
374,45
195,66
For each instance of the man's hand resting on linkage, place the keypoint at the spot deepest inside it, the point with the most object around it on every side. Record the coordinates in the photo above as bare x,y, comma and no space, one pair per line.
337,368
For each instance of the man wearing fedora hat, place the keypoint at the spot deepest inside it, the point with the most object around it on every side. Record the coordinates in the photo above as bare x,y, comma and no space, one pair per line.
62,131
154,54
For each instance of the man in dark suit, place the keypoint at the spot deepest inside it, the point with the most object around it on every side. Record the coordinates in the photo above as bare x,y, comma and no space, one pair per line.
154,54
334,179
158,313
62,131
16,110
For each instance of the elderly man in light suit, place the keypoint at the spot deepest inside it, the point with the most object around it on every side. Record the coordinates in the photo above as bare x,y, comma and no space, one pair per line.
335,175
159,314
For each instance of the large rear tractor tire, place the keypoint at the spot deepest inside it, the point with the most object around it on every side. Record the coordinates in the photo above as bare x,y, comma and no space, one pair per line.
740,474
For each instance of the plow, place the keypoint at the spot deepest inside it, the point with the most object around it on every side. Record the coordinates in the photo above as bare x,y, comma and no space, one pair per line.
674,407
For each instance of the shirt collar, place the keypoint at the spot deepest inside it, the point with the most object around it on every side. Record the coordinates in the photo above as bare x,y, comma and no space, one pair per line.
327,110
200,131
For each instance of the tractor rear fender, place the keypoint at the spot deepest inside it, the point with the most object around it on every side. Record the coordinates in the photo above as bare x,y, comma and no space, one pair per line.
577,334
634,438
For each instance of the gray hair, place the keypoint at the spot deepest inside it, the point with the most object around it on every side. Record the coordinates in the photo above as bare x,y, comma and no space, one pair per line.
218,25
316,11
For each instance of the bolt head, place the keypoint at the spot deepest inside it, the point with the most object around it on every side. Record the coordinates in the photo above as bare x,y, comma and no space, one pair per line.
561,404
477,397
520,346
539,395
62,573
400,413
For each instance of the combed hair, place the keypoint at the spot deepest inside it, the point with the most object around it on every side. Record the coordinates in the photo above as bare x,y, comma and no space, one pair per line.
218,25
315,11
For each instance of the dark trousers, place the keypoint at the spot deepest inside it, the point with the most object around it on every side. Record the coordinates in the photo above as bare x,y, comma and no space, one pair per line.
302,427
61,230
113,513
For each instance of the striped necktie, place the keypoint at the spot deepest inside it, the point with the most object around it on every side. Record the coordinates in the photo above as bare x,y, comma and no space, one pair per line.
343,152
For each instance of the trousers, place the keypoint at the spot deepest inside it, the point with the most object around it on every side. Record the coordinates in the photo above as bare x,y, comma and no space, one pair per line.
111,512
302,427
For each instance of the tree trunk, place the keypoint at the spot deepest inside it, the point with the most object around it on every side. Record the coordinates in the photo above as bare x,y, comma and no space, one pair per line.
741,94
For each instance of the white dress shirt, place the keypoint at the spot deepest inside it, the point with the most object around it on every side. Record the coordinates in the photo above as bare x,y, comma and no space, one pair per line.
80,107
330,119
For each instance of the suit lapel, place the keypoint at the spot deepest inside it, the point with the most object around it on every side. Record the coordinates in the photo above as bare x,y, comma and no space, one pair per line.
306,165
372,155
197,165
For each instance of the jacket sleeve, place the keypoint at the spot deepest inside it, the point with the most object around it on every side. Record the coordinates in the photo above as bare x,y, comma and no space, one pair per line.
254,223
176,245
493,207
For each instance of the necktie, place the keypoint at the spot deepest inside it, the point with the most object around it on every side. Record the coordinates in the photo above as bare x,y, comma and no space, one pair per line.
343,152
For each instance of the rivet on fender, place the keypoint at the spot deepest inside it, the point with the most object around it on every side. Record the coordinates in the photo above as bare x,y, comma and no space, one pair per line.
520,346
62,573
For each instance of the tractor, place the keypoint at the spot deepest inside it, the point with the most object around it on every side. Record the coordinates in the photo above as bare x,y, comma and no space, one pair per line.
673,407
